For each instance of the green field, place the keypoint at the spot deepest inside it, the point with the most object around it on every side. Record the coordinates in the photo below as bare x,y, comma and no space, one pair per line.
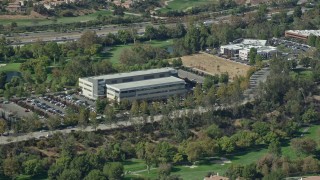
11,67
184,4
61,20
114,53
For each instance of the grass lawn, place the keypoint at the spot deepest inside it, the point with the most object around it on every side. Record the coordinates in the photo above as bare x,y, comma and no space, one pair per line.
61,20
200,170
11,67
302,73
184,4
194,172
113,54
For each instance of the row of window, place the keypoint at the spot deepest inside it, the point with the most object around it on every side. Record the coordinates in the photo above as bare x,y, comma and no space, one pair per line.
158,92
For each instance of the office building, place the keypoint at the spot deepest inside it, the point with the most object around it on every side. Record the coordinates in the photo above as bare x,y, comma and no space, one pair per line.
136,85
241,50
301,34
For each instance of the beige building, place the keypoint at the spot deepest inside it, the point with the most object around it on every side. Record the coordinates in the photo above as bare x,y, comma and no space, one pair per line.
136,85
160,88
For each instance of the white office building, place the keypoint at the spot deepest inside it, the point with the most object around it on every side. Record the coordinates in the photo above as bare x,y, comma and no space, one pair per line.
242,49
137,85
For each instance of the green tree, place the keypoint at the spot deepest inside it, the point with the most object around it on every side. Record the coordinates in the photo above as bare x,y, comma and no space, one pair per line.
274,175
297,12
32,167
84,117
11,167
135,108
275,148
312,40
3,126
114,170
252,56
3,78
213,131
310,115
144,107
70,174
95,175
101,105
150,32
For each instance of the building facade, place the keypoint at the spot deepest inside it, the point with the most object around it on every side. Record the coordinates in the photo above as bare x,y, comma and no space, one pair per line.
98,86
160,88
301,34
241,50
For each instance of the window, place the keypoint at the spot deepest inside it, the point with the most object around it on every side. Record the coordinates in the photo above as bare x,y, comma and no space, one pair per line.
127,80
162,75
113,81
149,77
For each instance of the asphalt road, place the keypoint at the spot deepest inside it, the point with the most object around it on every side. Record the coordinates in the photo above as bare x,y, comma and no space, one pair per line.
41,134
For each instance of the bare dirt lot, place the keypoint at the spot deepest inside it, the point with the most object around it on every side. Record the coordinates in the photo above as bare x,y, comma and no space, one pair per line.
215,65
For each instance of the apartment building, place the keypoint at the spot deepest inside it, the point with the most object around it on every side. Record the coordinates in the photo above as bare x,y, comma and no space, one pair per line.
123,85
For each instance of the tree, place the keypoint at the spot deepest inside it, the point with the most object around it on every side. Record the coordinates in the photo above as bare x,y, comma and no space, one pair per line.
164,170
249,171
252,56
101,105
32,167
274,175
70,174
144,107
11,167
84,117
297,12
224,78
124,36
213,131
118,10
114,170
275,148
227,144
135,108
306,146
310,115
3,126
312,40
194,151
150,32
95,175
88,39
208,82
305,61
310,165
3,78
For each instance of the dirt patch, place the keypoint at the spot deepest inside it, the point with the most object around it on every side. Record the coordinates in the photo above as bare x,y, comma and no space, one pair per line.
31,16
215,65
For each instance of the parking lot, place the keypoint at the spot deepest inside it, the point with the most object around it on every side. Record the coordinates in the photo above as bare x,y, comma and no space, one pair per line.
14,109
46,106
295,47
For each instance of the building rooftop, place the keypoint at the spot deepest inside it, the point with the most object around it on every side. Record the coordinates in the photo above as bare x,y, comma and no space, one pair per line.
145,83
261,48
254,42
128,74
246,43
305,32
